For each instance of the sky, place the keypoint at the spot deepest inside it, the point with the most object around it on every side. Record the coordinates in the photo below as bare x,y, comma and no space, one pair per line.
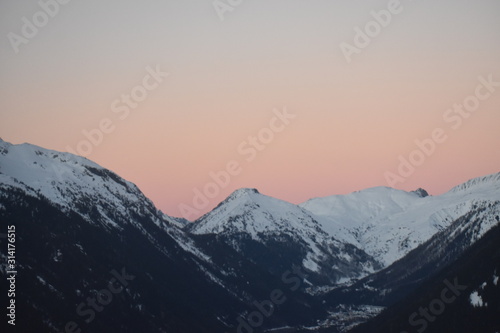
194,99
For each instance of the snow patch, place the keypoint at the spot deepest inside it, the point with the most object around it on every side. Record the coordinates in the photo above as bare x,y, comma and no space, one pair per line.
57,257
476,300
42,281
310,264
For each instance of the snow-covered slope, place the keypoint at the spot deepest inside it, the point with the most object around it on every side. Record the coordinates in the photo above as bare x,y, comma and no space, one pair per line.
74,217
373,226
246,210
346,216
69,181
357,207
383,222
247,244
388,223
76,184
268,220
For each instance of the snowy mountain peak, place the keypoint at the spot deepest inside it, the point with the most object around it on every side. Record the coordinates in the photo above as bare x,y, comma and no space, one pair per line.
361,206
71,182
247,215
480,183
388,223
242,192
247,210
27,151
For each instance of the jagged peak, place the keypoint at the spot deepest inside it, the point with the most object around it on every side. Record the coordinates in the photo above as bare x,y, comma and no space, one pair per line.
484,180
421,192
238,194
242,192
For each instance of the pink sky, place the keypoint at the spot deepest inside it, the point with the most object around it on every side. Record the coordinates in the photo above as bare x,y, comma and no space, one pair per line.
352,120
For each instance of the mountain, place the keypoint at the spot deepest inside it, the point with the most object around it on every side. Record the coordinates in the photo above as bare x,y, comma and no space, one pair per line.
467,212
363,218
463,296
94,254
387,223
397,281
279,234
414,234
341,237
74,184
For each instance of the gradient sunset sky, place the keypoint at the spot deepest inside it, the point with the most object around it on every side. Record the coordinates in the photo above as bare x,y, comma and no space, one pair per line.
353,120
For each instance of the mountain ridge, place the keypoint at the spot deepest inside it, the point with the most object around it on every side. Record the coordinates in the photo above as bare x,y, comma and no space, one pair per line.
366,219
75,216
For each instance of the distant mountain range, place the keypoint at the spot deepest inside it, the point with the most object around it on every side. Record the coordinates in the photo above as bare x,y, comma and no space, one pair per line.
253,264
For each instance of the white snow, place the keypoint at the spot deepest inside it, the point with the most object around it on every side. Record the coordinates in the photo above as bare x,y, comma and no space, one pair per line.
66,180
495,279
475,299
345,317
310,264
246,211
57,256
267,214
388,223
384,222
77,184
42,281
